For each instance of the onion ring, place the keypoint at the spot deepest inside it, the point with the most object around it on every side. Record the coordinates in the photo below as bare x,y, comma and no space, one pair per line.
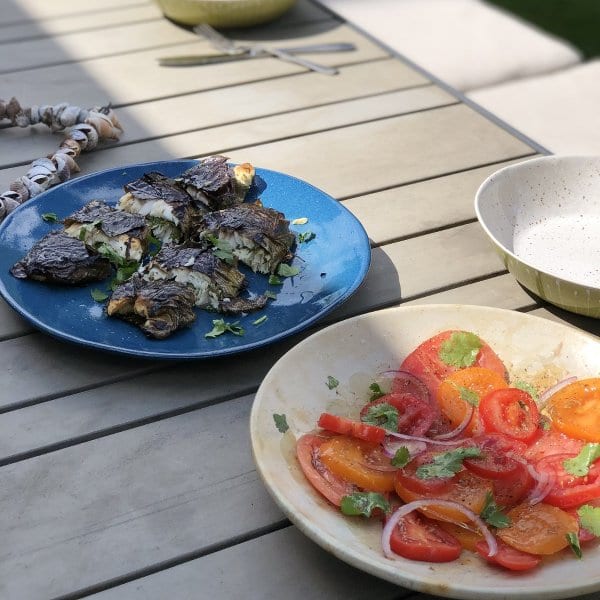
456,432
547,394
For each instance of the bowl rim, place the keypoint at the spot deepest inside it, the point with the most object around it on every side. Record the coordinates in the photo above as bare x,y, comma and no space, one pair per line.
515,167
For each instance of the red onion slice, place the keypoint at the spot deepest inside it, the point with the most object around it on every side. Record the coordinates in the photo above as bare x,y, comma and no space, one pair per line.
404,436
414,447
463,424
546,395
393,521
544,482
407,383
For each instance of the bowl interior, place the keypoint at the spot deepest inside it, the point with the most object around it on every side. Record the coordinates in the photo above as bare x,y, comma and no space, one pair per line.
546,212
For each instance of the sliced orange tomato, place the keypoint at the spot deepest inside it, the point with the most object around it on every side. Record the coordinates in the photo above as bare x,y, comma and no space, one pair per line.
472,383
538,529
575,409
467,538
358,462
465,488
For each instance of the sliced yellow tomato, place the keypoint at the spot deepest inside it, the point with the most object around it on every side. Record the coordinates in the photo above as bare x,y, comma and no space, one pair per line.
467,538
538,529
575,410
359,462
470,384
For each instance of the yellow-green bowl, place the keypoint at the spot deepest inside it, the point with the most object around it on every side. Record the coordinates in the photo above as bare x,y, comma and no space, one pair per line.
543,216
224,13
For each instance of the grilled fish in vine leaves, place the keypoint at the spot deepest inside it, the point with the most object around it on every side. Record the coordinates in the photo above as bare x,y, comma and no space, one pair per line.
216,184
258,236
97,224
158,308
59,258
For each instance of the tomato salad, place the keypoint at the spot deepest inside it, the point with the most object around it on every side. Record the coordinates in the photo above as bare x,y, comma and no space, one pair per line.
458,456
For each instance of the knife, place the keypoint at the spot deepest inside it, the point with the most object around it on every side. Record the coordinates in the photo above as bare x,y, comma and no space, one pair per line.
210,59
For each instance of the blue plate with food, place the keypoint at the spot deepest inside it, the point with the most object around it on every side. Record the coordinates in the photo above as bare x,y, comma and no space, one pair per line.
180,259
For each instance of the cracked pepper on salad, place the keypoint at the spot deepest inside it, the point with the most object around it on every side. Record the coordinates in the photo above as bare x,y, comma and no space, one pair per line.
459,456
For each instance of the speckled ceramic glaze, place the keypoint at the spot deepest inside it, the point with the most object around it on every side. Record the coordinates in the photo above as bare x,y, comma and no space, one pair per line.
543,216
224,13
354,352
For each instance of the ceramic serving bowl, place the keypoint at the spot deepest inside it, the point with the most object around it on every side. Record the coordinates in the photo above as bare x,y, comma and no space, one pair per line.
543,216
224,13
354,352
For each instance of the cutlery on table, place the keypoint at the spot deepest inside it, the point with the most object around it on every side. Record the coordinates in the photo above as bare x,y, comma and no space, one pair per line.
232,48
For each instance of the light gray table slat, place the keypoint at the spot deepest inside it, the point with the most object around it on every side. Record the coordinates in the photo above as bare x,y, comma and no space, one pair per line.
284,563
260,99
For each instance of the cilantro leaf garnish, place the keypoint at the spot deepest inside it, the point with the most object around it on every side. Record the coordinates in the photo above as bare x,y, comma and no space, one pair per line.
260,320
50,217
306,236
527,387
460,349
286,270
589,517
220,327
332,382
468,395
544,423
274,280
270,294
300,221
221,249
363,503
401,458
492,513
446,464
280,423
98,295
580,465
376,391
573,540
382,415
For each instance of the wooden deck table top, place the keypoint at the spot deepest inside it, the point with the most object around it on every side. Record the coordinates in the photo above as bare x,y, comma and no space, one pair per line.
133,479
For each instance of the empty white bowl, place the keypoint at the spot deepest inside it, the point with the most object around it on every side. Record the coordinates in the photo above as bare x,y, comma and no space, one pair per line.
543,216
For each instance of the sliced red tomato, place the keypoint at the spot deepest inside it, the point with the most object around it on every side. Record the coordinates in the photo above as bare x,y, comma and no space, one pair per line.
495,461
510,491
358,462
419,538
426,364
512,412
508,557
552,442
575,409
326,483
539,528
356,429
408,478
569,490
415,415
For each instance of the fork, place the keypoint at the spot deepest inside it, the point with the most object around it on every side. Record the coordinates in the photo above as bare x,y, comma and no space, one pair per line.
230,47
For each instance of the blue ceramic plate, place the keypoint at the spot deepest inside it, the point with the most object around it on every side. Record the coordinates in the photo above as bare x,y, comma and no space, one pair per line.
332,265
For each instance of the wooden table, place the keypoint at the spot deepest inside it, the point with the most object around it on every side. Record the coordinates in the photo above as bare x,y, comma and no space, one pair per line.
125,478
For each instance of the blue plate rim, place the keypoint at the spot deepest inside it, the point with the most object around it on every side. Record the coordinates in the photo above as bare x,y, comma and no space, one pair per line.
204,355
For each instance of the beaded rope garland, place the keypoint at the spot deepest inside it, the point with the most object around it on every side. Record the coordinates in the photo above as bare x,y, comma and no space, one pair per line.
88,127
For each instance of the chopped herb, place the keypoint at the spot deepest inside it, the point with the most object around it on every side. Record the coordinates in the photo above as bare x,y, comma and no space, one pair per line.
270,294
286,270
300,221
281,423
260,320
274,280
155,245
126,271
544,423
580,465
527,387
382,415
460,349
50,218
363,503
98,295
332,382
492,513
306,237
573,540
81,235
589,518
108,252
468,395
446,464
221,249
401,458
220,327
376,391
